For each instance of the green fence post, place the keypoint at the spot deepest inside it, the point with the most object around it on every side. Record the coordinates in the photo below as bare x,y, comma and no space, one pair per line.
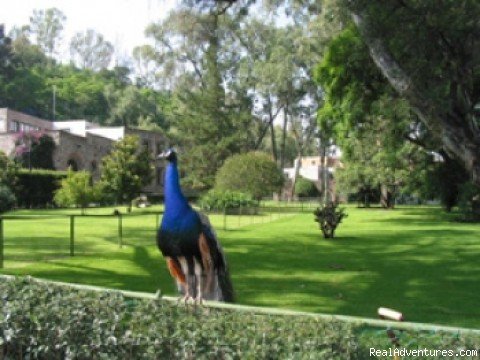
120,231
1,243
72,235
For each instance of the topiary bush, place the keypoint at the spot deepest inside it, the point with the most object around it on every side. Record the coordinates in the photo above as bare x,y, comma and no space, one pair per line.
329,216
7,199
253,173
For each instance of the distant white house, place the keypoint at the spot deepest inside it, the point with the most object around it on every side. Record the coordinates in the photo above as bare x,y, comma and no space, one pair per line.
318,169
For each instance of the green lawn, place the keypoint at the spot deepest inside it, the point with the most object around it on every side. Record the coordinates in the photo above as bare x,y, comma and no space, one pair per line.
414,259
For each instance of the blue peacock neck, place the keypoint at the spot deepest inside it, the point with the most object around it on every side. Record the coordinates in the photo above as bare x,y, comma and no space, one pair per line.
174,199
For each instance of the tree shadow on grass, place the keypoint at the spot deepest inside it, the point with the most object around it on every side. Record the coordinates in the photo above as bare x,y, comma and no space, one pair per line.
422,273
137,272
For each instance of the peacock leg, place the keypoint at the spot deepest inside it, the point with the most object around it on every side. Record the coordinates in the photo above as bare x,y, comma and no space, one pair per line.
189,278
199,283
191,288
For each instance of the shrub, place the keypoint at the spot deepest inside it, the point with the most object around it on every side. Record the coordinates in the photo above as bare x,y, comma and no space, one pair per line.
76,189
7,199
252,173
36,188
305,188
219,200
8,171
329,216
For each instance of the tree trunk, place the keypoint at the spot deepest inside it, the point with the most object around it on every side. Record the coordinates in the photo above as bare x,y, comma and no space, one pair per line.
296,174
457,132
386,197
284,137
274,142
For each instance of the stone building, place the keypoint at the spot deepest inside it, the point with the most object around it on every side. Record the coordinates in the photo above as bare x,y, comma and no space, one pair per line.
80,144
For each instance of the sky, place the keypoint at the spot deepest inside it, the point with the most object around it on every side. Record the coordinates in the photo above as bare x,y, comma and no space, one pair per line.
122,22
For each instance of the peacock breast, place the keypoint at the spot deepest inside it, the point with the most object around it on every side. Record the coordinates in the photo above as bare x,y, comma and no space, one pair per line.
178,235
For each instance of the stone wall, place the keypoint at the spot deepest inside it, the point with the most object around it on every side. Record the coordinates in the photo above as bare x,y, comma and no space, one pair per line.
7,143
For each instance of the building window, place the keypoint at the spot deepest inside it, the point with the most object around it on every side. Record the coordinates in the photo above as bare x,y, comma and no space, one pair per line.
17,126
14,126
93,165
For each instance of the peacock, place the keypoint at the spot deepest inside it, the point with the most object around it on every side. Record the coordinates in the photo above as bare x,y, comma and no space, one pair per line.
189,244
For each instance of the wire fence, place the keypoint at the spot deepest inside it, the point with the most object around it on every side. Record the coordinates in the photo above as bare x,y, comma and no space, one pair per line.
36,237
30,238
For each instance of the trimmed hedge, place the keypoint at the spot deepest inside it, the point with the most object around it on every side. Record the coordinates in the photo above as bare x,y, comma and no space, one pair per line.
36,188
52,322
216,200
40,321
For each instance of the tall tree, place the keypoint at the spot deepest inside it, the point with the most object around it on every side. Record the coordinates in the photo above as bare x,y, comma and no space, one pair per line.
90,50
6,68
133,106
442,81
190,45
145,65
47,27
372,124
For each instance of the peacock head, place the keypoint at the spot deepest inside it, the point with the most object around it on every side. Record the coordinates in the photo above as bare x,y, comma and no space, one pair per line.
169,155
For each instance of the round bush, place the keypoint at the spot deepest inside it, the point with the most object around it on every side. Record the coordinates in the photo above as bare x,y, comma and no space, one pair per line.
253,173
305,188
7,199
